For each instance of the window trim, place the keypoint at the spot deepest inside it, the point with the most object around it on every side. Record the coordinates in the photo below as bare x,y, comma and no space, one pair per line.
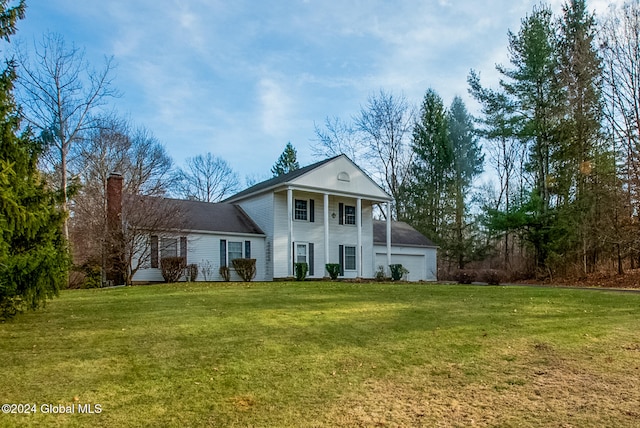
301,214
354,256
306,214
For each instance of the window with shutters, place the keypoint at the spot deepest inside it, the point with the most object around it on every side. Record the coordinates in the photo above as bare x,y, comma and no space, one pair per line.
304,210
349,258
234,251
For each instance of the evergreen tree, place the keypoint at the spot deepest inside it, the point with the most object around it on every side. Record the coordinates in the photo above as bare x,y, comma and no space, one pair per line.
33,256
467,165
287,161
426,202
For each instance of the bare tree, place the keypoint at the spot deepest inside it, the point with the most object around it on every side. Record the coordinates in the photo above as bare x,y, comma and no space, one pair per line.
378,140
385,125
112,147
337,137
59,92
144,218
207,178
620,47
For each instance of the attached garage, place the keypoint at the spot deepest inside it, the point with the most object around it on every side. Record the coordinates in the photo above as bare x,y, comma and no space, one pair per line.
410,248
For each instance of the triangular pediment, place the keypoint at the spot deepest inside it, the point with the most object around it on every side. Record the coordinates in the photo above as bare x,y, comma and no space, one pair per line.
342,176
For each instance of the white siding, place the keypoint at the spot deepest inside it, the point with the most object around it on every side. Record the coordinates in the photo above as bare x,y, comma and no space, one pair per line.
313,232
420,262
261,211
203,249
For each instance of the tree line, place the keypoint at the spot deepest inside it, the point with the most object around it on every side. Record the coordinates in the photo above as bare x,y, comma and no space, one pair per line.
559,134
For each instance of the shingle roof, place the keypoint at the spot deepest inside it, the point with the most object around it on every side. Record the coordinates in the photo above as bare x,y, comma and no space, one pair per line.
401,234
206,216
281,179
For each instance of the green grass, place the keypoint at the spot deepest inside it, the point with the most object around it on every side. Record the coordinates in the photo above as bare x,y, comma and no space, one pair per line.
327,354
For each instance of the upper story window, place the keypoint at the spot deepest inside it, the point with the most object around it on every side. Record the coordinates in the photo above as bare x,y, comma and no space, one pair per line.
303,210
300,210
349,214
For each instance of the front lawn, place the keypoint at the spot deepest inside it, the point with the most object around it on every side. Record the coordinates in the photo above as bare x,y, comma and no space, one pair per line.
326,354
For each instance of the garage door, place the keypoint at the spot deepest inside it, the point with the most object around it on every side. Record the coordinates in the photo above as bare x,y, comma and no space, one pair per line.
415,264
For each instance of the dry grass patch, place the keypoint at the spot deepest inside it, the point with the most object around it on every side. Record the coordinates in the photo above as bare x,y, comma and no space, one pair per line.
530,387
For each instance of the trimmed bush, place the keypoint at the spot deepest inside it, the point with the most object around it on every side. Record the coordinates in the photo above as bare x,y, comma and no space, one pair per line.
380,274
301,270
246,268
492,277
192,272
225,273
333,269
397,271
463,276
172,268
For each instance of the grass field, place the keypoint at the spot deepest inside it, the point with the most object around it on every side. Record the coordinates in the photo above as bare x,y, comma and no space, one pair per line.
326,354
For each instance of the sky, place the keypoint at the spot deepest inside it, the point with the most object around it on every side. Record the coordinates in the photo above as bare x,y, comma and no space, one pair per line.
242,78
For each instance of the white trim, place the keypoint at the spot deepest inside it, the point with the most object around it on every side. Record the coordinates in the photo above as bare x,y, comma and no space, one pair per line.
359,246
325,201
290,229
388,234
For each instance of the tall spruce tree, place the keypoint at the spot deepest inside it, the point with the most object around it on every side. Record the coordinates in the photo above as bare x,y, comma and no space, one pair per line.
467,165
287,162
426,195
33,256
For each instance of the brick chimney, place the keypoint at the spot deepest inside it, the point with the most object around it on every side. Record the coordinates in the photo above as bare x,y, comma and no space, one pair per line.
114,233
114,201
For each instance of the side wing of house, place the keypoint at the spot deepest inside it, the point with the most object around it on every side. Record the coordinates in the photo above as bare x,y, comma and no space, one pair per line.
410,248
206,250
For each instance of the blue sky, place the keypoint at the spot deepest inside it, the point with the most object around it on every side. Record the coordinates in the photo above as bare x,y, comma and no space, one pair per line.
242,78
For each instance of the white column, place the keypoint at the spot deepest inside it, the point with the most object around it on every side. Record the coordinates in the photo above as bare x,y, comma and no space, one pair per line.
388,234
359,227
290,234
326,229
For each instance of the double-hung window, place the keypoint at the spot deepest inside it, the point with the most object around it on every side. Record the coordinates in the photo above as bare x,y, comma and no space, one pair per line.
234,251
349,257
300,210
349,214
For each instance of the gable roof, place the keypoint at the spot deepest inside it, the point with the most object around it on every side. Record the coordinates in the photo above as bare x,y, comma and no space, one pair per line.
202,216
296,177
401,234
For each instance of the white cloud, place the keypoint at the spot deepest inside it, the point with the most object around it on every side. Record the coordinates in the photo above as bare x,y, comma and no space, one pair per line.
275,107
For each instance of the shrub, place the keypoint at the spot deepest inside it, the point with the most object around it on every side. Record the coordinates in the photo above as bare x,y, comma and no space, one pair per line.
225,273
492,277
397,271
206,268
380,274
172,268
192,272
246,268
301,270
333,269
463,276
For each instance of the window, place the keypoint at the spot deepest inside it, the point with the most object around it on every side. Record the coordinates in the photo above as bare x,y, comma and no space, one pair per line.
346,214
300,211
304,210
301,253
235,251
349,214
169,248
349,258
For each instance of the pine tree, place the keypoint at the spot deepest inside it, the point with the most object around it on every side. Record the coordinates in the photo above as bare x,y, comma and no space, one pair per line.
426,204
467,165
33,256
287,161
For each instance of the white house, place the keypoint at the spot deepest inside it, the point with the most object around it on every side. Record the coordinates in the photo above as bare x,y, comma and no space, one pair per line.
319,214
